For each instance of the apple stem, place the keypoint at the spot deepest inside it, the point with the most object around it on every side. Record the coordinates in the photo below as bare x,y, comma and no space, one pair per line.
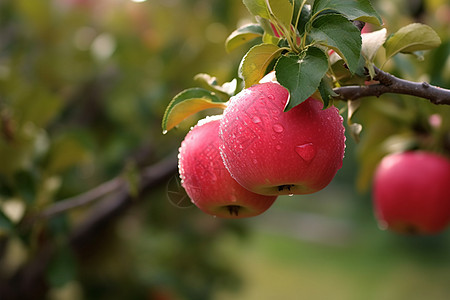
285,187
234,210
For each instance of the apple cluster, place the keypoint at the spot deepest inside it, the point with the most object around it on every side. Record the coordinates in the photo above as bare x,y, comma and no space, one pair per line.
411,192
236,164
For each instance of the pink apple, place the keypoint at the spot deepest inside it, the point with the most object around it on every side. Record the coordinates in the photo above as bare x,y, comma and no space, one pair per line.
411,192
272,152
207,181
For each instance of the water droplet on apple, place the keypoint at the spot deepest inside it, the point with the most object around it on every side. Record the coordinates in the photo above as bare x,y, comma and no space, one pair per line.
274,136
255,161
278,128
278,147
256,120
306,151
270,96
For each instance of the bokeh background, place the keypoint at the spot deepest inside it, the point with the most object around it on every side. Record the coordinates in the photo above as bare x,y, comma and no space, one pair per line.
83,88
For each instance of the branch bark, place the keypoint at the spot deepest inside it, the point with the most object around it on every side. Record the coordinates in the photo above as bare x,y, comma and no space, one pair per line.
388,83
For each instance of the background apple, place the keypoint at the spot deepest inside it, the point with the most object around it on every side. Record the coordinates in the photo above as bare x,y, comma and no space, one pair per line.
272,152
207,181
412,193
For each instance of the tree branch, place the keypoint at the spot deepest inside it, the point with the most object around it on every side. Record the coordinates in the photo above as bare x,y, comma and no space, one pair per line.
83,199
388,83
29,281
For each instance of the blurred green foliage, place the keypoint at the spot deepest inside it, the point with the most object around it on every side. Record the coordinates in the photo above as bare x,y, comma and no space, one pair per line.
83,87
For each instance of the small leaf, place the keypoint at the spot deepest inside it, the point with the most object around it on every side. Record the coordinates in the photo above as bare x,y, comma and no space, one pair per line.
353,106
371,42
187,103
209,82
360,10
326,92
243,35
301,74
355,128
255,63
282,10
257,8
13,209
355,131
341,35
411,38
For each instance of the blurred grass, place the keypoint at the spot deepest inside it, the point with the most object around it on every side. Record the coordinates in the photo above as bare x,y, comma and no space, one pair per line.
280,267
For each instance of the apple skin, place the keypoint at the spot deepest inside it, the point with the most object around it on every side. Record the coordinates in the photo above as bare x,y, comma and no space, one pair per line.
411,192
207,181
272,152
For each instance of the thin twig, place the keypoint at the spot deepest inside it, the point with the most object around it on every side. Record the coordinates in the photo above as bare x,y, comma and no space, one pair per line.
388,83
102,190
83,199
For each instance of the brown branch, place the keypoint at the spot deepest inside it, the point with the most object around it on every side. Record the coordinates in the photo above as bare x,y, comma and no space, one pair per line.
83,199
388,83
29,281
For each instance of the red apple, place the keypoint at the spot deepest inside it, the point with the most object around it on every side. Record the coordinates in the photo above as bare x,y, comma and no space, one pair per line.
272,152
207,181
411,192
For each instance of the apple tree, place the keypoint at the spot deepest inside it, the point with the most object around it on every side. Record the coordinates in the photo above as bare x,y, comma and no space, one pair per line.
273,141
91,203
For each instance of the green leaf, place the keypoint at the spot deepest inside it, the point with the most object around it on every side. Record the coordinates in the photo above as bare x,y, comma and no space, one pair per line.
341,35
255,63
209,82
413,37
282,10
257,8
301,74
187,103
360,10
243,35
326,92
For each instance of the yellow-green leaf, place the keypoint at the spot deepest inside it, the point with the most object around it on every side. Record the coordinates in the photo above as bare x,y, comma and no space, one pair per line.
243,35
255,63
413,37
187,103
282,10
